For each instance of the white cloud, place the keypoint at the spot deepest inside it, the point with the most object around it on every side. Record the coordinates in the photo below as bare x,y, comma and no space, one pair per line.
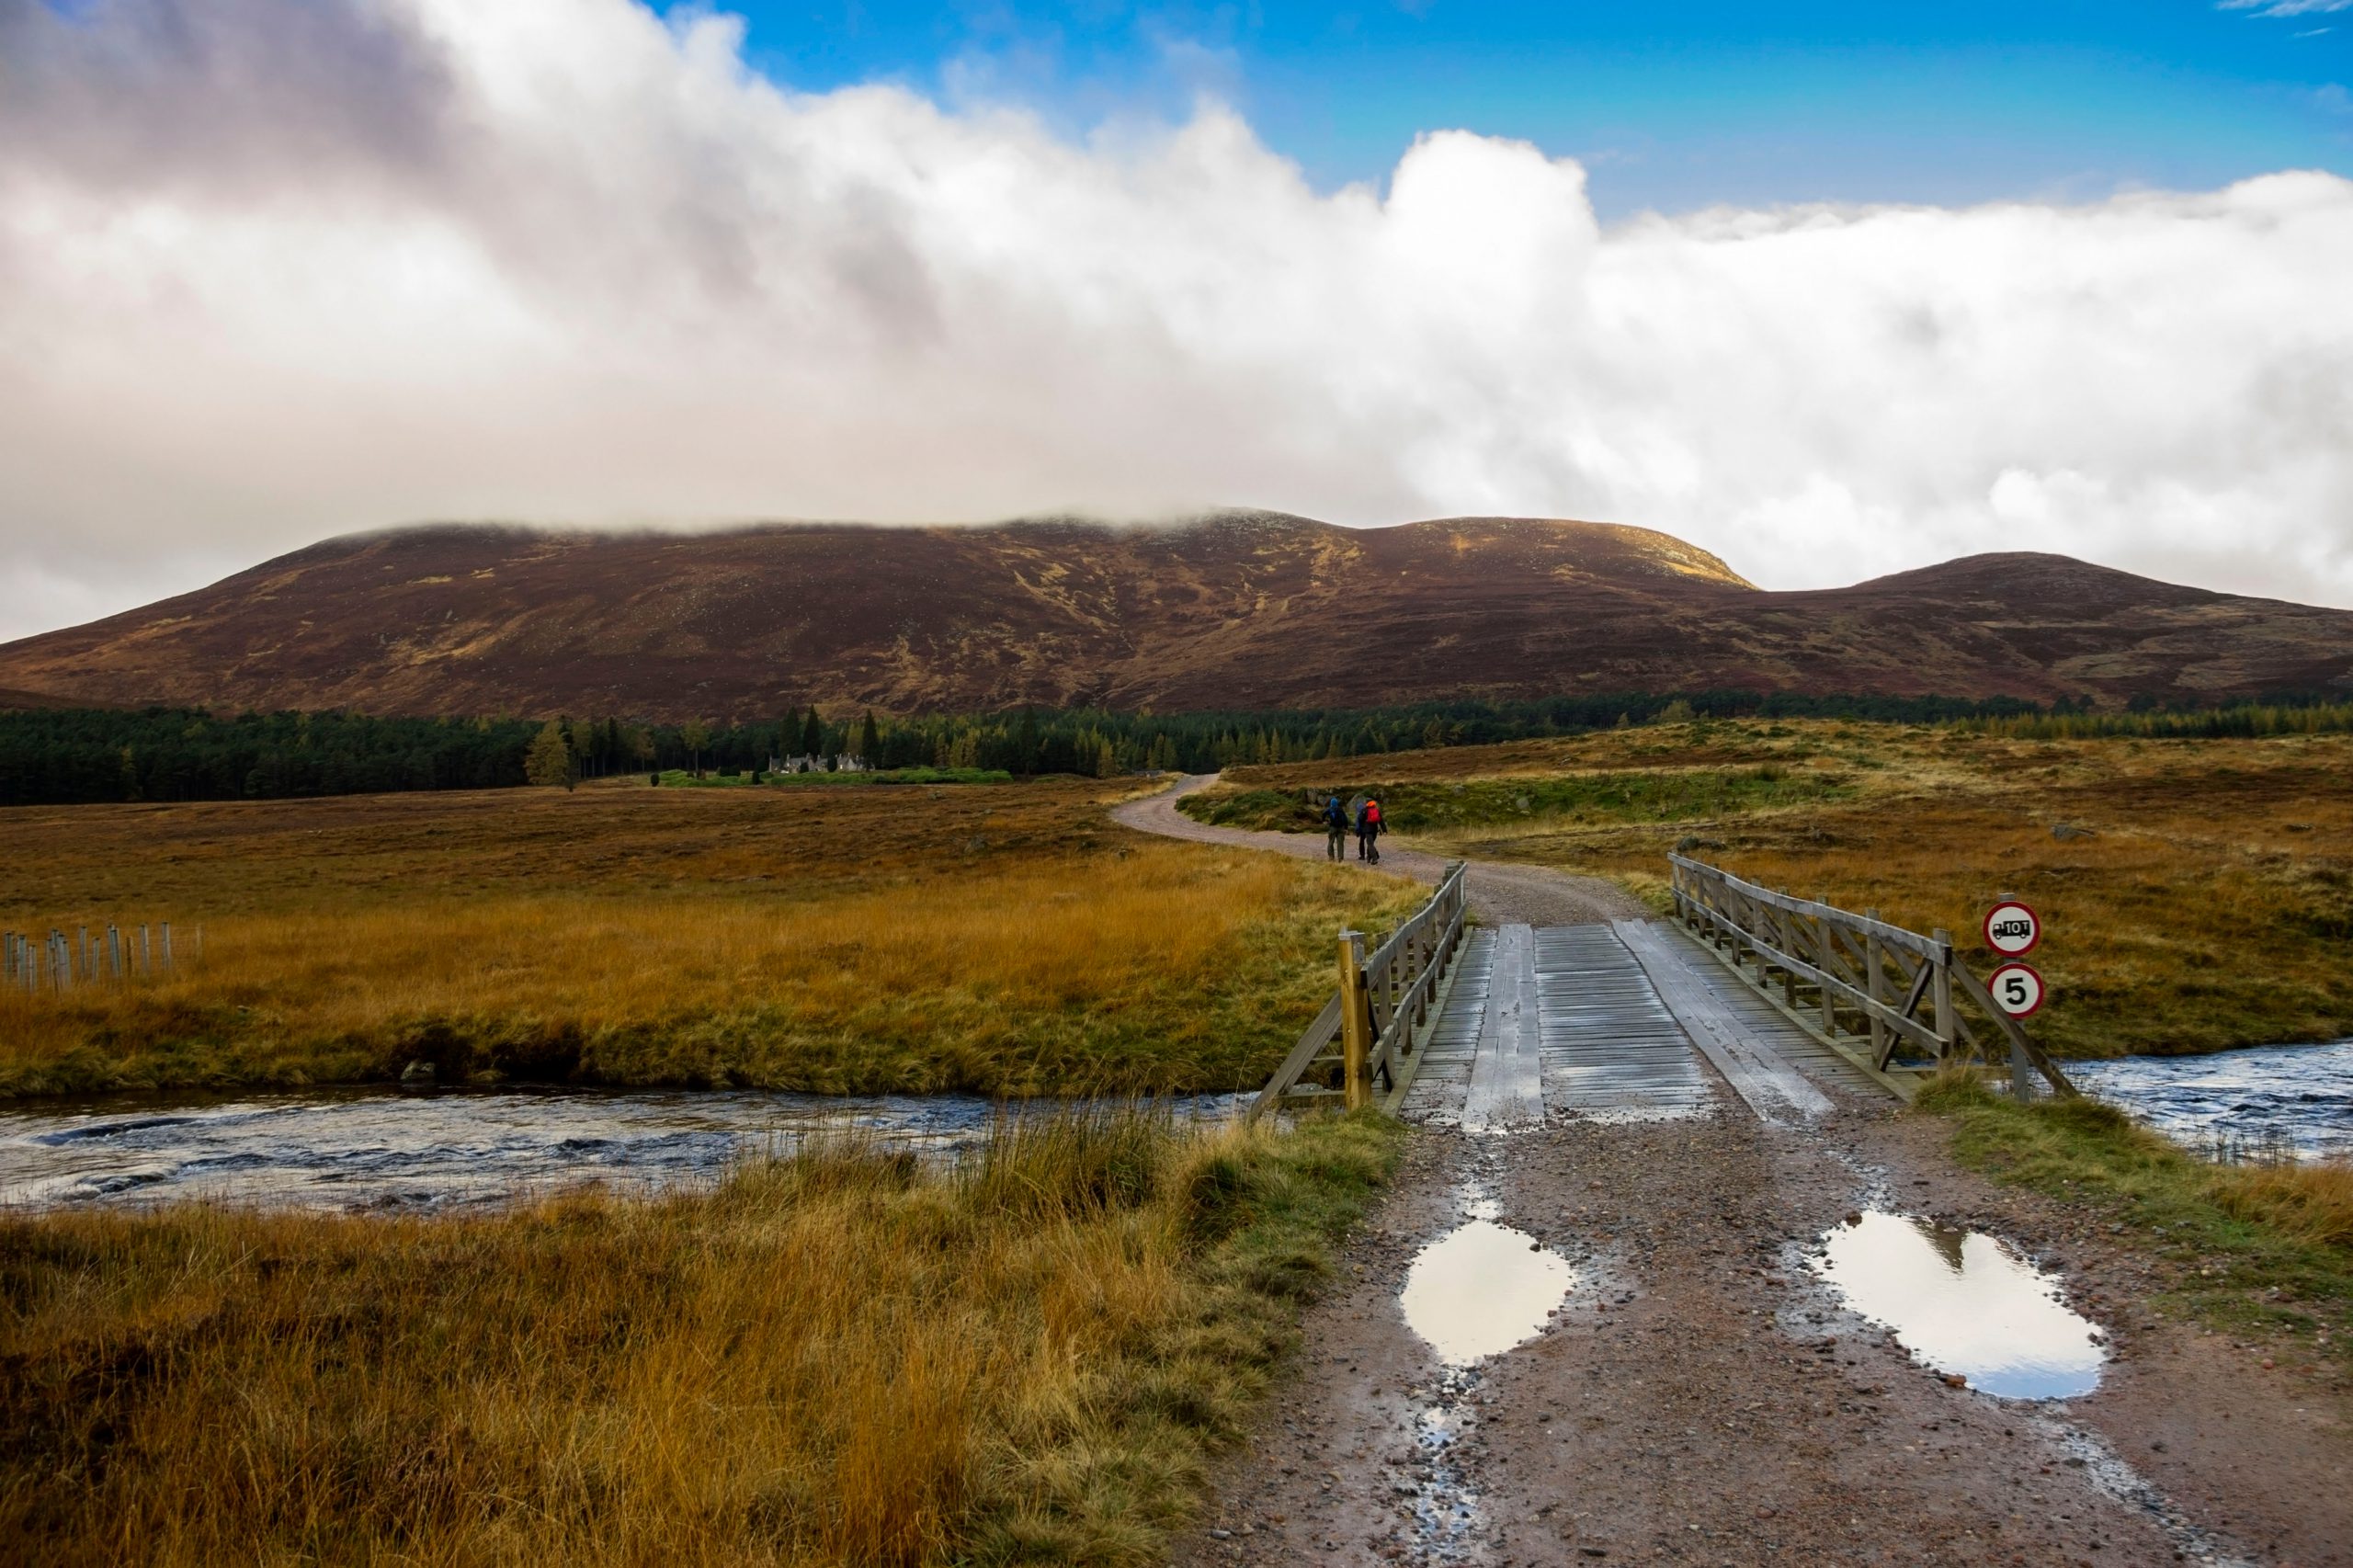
2285,8
271,269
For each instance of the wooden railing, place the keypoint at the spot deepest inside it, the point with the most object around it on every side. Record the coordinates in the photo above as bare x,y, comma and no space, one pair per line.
1895,1003
1365,1045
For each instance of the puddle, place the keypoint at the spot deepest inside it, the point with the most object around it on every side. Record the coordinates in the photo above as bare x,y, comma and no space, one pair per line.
1483,1289
1445,1506
1964,1303
2295,1097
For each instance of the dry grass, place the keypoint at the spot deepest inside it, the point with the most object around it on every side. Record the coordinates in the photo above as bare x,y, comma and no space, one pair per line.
2313,1201
1006,940
2214,908
835,1358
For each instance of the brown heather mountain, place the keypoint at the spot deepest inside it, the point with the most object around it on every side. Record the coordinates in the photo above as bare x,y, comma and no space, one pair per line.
1239,611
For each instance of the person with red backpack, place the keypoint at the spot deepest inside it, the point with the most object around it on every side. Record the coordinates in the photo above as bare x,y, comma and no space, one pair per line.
1369,828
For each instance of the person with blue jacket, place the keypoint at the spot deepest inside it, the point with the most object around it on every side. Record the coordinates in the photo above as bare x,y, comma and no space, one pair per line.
1336,829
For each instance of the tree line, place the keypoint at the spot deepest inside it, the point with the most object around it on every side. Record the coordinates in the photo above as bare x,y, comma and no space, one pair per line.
67,756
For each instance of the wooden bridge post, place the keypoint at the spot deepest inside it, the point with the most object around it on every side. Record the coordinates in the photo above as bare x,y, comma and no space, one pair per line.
1947,1035
1873,986
1819,929
1356,1023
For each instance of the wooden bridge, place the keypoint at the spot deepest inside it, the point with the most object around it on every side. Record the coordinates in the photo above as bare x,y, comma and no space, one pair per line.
1775,997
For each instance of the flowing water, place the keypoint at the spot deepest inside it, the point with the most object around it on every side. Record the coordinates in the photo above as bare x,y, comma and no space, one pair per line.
2297,1096
1964,1304
382,1149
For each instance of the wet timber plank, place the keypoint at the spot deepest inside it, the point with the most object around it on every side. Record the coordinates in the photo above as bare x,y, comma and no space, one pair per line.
1443,1080
1507,1072
1754,1070
1612,1049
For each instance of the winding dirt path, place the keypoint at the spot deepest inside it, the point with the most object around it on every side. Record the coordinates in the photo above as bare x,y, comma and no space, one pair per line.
1500,893
1702,1398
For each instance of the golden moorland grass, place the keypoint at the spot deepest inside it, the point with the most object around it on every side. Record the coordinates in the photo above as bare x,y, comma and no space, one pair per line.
2201,896
838,1357
998,940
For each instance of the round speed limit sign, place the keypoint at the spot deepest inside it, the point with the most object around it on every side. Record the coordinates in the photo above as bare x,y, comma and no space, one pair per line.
2012,929
2017,990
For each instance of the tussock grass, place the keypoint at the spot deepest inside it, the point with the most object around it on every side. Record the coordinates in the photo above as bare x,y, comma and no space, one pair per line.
2202,896
840,1356
2254,1248
833,941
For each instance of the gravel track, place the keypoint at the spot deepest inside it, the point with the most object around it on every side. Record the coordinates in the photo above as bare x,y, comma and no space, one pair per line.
1500,893
1701,1399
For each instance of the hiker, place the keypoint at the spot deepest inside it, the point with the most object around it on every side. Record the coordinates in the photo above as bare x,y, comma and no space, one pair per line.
1336,829
1369,832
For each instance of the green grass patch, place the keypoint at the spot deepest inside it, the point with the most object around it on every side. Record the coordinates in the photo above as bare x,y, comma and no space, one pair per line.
2251,1249
1615,797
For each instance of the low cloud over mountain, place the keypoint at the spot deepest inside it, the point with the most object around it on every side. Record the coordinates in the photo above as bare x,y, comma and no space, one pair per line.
272,267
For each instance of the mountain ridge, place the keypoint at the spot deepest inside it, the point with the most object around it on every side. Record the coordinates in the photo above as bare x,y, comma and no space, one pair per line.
1236,610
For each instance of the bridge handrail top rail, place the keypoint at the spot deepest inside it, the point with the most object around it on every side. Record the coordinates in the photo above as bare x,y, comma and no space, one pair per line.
1894,935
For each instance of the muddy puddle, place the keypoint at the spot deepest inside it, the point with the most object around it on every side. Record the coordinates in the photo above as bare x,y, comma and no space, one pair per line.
1964,1303
2295,1099
1482,1289
380,1149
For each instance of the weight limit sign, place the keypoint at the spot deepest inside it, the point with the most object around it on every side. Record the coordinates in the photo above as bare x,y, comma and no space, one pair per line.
2012,929
2017,990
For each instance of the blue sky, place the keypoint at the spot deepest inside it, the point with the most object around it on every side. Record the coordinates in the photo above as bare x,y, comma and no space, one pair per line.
1671,107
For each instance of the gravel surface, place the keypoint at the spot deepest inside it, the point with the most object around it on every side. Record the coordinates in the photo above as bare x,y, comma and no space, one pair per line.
1500,893
1702,1398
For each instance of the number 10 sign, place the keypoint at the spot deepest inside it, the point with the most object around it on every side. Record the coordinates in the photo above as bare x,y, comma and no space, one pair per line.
2014,930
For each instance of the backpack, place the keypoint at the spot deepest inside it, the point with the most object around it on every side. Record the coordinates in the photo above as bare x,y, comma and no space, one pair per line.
1372,814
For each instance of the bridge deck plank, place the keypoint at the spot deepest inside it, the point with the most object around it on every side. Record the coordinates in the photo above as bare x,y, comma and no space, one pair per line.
1755,1071
1443,1080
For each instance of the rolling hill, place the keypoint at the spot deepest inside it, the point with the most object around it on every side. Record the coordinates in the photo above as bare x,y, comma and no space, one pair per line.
1244,609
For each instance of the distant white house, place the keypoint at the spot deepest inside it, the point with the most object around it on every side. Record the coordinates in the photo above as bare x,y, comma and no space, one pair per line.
842,764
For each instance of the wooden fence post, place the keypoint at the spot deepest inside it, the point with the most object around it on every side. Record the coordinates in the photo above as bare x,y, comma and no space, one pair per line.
167,945
1356,1023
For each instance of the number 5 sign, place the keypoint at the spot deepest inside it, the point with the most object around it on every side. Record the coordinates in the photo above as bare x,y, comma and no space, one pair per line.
2017,989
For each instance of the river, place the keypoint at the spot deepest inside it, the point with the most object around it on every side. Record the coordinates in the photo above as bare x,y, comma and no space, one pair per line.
2298,1096
366,1149
380,1149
